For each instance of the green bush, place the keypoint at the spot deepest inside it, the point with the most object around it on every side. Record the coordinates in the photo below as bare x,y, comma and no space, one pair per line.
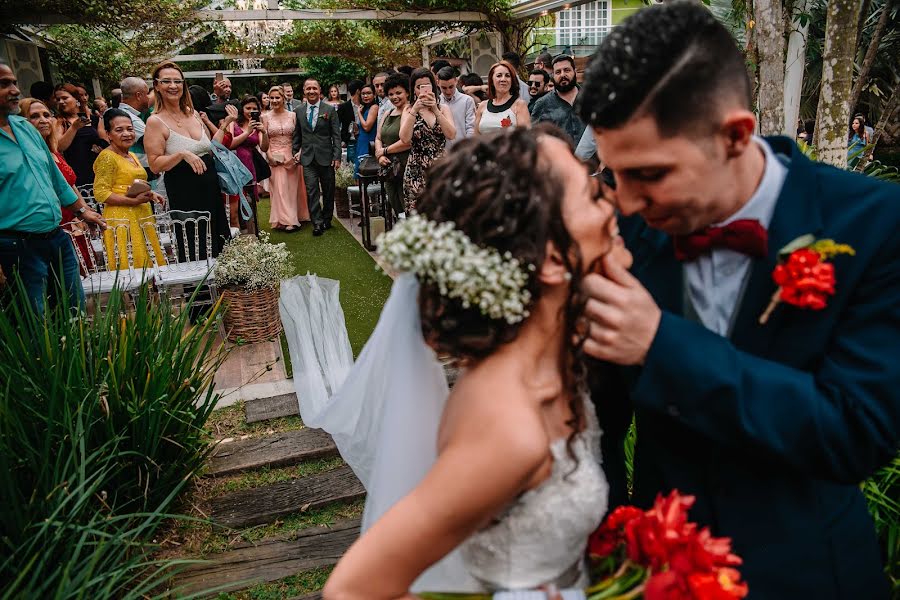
101,426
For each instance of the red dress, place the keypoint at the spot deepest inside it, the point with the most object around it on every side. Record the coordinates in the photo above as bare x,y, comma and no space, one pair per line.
68,216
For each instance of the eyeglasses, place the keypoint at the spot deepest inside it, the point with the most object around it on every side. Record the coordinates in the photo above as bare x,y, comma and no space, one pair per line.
535,83
170,81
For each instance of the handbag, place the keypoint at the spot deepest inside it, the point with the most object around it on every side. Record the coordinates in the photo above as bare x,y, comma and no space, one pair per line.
369,167
261,166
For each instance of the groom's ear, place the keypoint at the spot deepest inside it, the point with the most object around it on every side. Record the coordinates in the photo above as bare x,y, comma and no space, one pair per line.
552,271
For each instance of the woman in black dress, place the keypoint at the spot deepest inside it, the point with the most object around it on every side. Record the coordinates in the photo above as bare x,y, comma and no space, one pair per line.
79,141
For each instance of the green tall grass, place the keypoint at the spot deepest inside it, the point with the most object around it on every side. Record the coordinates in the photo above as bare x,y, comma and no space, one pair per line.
101,426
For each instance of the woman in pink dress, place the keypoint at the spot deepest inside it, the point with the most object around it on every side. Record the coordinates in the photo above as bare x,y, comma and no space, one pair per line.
286,187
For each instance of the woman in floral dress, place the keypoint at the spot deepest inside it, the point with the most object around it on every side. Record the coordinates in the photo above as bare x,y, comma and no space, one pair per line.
426,125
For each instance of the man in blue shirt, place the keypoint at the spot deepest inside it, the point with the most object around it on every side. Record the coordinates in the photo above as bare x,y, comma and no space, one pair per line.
33,248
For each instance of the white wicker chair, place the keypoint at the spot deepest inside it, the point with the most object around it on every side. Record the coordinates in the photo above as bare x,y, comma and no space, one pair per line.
99,279
189,262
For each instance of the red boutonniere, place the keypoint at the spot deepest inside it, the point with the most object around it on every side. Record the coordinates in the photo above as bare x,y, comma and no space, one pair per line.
505,122
804,277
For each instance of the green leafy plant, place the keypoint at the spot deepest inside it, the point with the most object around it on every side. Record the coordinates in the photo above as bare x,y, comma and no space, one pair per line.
101,426
882,493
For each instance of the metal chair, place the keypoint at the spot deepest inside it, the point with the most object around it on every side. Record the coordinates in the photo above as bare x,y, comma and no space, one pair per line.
189,263
100,279
371,197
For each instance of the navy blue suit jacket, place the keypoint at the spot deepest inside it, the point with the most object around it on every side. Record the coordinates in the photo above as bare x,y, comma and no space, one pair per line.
773,429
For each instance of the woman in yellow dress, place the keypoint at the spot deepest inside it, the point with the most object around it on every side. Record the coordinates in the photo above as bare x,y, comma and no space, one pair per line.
115,170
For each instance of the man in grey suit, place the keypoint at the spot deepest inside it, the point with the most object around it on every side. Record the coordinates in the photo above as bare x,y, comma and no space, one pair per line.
317,146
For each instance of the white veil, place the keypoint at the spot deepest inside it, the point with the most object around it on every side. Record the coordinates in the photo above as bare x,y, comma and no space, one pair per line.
384,420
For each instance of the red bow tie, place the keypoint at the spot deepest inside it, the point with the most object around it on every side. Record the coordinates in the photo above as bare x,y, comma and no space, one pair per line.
746,236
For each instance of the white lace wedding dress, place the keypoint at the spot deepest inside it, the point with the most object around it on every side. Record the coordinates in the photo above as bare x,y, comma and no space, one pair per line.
384,420
541,537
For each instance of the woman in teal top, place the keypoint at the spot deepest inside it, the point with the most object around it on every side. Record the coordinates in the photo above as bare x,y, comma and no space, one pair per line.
366,120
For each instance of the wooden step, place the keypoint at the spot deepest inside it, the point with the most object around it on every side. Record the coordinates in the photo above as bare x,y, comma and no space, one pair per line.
275,407
277,450
267,503
313,596
270,559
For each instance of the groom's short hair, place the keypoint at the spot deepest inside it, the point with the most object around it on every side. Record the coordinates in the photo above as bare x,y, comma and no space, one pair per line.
672,61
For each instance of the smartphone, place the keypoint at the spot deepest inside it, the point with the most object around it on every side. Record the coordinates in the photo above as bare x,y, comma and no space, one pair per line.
220,76
254,115
83,116
424,88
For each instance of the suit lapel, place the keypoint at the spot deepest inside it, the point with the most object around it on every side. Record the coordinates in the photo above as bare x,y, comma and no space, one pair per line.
795,214
655,266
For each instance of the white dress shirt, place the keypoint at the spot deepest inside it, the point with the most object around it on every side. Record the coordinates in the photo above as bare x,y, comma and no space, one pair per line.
715,281
314,109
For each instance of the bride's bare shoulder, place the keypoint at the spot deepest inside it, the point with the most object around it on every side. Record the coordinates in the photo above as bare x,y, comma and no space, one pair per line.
492,408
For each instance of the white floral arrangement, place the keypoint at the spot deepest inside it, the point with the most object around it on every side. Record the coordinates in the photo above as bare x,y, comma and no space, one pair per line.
251,263
445,256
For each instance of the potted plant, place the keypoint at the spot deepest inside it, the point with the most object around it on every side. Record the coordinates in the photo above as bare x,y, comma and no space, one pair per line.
248,272
343,178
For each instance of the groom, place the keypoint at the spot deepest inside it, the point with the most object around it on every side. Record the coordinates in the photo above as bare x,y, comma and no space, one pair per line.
772,426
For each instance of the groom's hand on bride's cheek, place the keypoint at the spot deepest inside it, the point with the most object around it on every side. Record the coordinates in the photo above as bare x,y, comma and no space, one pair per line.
622,315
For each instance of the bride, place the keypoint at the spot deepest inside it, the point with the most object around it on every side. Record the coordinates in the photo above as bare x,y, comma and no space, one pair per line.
511,485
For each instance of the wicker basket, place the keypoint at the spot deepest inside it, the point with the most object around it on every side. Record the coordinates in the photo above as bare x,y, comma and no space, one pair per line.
251,316
342,203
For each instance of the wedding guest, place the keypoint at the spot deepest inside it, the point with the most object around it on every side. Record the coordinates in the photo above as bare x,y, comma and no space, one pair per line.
115,171
347,113
461,105
537,86
248,134
263,98
474,87
334,96
43,91
41,117
766,386
80,141
857,140
84,99
426,125
288,93
515,60
437,65
392,152
178,144
384,104
287,188
32,190
317,146
503,108
366,120
135,100
100,106
115,97
544,62
558,106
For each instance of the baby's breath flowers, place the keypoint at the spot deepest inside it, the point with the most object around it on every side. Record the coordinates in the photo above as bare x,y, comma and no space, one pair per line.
252,264
445,256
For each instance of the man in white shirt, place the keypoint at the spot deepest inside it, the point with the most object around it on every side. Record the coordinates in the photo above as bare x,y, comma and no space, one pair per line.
461,105
134,102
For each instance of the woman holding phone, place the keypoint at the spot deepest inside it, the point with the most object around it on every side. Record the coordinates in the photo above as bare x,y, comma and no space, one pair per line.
120,183
79,141
426,125
287,189
248,134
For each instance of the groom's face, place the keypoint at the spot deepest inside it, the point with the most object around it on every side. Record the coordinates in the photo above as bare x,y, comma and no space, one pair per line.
676,184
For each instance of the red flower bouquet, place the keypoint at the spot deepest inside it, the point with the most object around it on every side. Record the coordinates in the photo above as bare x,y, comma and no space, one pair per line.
660,555
803,276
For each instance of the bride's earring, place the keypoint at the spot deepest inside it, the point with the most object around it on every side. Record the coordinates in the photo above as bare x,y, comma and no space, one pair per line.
567,276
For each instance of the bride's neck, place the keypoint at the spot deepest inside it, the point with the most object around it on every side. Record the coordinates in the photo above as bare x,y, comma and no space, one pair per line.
538,345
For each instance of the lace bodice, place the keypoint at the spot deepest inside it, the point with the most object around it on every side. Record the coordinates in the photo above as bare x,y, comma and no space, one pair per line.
541,537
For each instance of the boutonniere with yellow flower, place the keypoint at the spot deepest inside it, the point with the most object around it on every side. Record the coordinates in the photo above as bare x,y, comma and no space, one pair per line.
804,276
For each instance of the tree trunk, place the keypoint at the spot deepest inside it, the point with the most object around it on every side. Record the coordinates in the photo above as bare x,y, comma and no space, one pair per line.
769,31
871,53
861,22
795,65
890,108
833,114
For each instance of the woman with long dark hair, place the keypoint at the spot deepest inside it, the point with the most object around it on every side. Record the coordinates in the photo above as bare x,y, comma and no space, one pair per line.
516,485
426,125
178,144
248,134
79,141
366,119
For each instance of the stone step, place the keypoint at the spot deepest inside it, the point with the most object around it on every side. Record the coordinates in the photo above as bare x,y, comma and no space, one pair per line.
250,563
276,450
268,503
286,405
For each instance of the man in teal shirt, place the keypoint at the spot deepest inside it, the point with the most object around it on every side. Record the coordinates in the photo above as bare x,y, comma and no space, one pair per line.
33,248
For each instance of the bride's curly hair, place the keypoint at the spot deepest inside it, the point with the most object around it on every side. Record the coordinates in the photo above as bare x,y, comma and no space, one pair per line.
502,192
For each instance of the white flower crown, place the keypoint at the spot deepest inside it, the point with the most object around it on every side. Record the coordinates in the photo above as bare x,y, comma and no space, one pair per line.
445,256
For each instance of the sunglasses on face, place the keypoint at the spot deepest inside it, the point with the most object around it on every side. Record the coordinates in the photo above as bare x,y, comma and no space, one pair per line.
534,83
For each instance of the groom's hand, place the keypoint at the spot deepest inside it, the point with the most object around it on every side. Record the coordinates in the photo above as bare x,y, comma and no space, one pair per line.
622,315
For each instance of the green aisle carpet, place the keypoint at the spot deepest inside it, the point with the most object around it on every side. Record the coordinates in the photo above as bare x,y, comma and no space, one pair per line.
337,255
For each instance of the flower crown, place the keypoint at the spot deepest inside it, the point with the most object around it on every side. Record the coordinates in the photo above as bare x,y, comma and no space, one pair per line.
445,256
